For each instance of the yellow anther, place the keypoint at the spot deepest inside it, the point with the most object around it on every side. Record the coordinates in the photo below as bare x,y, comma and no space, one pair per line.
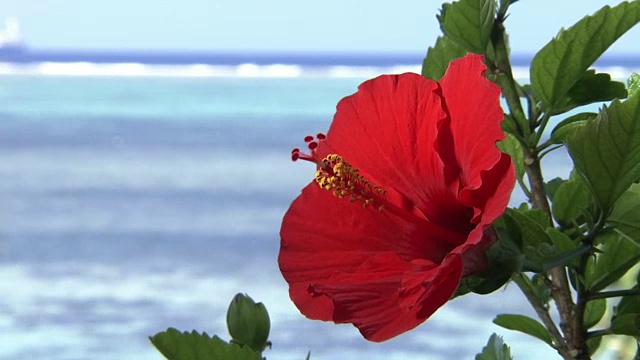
345,181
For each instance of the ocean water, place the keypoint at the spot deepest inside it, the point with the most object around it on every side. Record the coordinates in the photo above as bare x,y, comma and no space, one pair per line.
130,204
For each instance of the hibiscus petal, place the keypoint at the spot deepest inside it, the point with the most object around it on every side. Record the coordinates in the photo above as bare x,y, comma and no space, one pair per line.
319,224
383,304
472,102
322,236
490,200
388,130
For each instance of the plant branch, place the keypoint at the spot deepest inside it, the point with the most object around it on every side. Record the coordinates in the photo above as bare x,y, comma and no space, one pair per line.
597,333
579,332
543,153
573,345
524,187
610,294
505,79
525,286
559,287
543,124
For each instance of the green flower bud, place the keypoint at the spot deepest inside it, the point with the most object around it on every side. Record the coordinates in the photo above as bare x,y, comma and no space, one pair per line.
248,323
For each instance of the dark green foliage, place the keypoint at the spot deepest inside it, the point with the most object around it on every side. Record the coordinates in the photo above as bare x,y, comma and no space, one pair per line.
525,325
560,64
439,56
618,255
469,23
591,88
567,127
606,151
176,345
594,311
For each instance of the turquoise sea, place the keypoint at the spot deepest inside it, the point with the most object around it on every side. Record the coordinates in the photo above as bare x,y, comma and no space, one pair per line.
135,201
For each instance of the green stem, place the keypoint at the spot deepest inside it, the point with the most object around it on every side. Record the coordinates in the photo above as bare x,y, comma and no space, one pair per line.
505,78
525,286
524,187
545,145
560,260
597,333
543,153
519,137
543,124
610,294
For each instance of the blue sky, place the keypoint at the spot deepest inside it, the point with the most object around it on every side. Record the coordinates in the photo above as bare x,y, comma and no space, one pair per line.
276,25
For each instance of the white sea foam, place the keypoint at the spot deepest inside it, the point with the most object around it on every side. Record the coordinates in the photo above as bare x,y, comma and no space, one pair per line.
247,70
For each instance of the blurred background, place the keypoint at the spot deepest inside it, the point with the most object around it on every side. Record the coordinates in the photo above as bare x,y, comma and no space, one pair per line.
145,168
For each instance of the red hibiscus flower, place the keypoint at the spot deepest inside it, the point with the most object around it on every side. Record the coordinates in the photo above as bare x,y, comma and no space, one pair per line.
408,180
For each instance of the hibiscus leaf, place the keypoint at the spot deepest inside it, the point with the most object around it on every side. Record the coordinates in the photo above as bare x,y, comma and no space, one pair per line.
618,255
176,345
537,215
505,255
552,186
567,127
439,56
589,89
554,249
570,201
525,325
594,311
462,289
469,23
536,244
511,146
540,288
562,62
628,305
496,349
561,242
627,324
606,151
504,259
486,285
625,217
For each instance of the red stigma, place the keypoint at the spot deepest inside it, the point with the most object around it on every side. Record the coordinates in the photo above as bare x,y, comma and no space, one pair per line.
312,145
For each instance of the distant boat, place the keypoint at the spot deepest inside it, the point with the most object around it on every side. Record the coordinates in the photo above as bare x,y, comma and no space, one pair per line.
11,42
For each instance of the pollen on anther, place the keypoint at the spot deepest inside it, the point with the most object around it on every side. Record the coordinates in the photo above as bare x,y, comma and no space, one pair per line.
345,182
